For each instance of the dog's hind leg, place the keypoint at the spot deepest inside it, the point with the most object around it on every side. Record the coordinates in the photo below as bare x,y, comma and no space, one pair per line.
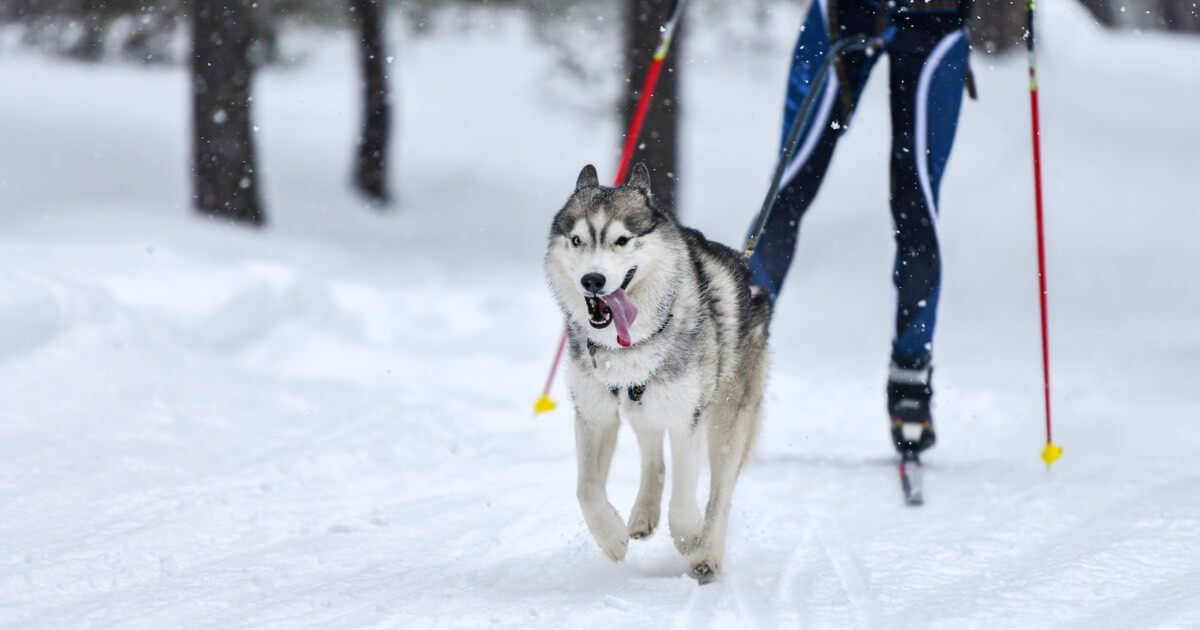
648,507
729,436
732,424
683,515
595,440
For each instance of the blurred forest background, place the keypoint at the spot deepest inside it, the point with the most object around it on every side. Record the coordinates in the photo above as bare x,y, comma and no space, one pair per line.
224,41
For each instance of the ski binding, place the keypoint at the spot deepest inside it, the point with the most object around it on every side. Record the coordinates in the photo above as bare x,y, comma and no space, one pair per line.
910,479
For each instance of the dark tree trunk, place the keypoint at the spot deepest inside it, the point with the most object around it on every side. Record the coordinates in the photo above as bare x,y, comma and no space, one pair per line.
1102,10
658,145
226,182
264,50
370,167
90,45
1182,15
150,41
997,26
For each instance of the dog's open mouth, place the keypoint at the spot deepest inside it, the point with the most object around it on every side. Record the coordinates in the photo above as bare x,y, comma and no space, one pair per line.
613,308
599,315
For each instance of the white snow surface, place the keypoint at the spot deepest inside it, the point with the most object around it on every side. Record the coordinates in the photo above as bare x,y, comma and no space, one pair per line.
328,423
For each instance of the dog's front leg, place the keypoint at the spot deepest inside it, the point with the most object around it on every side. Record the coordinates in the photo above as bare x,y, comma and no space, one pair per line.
595,441
647,508
683,515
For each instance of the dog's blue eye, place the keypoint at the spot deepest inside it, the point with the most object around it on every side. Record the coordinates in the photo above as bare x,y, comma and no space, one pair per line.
621,241
575,241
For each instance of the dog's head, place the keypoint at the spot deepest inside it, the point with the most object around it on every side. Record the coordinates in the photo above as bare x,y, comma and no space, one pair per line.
612,250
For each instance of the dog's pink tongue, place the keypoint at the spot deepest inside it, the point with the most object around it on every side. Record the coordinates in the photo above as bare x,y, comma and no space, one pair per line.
623,312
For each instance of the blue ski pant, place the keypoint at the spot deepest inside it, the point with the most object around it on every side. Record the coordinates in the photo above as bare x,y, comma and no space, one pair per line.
927,69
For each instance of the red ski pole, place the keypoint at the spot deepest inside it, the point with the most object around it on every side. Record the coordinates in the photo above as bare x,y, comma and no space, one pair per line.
1052,451
544,403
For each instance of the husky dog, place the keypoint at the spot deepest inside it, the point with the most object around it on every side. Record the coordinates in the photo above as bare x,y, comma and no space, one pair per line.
664,330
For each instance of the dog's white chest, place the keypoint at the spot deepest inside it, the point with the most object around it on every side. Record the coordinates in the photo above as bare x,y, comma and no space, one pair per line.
664,404
626,366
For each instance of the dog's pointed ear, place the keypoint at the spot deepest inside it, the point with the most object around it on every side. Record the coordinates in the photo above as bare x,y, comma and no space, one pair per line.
640,178
587,178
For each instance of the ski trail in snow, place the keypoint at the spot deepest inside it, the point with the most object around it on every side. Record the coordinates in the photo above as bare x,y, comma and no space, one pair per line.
748,603
704,607
700,608
795,580
847,567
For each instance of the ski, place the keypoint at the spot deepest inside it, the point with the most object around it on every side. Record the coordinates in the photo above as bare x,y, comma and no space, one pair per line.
910,479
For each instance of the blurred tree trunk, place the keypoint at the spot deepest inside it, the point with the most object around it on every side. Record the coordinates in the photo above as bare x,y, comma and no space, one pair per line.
223,151
264,50
90,45
997,26
1102,10
1182,15
370,167
658,145
11,10
153,35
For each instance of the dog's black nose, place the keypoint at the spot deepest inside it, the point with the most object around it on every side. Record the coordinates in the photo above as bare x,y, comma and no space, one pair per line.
592,282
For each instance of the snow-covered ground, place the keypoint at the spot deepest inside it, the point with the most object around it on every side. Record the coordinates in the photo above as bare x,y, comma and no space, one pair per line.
328,423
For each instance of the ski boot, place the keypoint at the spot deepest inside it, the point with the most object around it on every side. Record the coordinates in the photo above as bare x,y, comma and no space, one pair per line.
909,391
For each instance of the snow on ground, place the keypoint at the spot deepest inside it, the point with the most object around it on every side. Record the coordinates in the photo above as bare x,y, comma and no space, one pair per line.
328,423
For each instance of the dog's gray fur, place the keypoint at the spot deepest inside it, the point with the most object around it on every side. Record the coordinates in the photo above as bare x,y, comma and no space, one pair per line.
698,349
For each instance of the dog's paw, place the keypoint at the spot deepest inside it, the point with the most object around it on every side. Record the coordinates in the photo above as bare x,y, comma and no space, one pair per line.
615,547
642,521
685,543
705,571
685,530
609,531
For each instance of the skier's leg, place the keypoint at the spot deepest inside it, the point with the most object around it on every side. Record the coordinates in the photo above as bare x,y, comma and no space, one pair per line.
773,254
928,69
